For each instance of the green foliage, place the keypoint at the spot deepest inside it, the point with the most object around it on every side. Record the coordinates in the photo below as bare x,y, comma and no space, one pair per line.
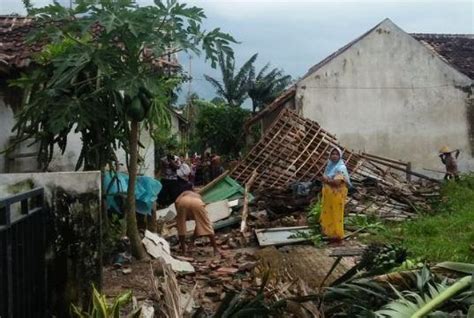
355,299
114,230
221,128
314,234
96,74
368,223
445,235
262,87
102,309
376,259
234,87
265,86
314,213
413,304
378,298
409,264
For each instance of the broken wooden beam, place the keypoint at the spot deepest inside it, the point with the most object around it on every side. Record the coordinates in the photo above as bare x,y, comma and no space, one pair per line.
245,210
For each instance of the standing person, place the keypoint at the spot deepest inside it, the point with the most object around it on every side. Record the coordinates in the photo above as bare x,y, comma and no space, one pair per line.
336,182
190,206
206,168
169,180
447,158
216,166
184,173
198,173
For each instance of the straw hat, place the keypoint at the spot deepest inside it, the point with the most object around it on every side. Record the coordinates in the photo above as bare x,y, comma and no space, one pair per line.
444,149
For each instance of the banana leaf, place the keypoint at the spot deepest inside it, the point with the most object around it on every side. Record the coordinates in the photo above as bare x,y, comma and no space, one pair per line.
463,268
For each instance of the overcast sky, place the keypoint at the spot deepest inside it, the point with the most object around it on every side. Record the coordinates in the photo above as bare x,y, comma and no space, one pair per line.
294,35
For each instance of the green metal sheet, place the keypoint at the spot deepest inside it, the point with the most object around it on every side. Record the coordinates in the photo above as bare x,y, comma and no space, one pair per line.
227,188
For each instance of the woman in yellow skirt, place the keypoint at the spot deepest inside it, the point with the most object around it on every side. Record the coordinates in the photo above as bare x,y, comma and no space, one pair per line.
336,182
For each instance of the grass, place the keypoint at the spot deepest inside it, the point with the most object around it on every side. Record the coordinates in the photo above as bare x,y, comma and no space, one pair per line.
447,234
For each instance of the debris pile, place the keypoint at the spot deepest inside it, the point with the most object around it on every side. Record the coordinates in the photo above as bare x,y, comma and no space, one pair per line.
294,149
283,173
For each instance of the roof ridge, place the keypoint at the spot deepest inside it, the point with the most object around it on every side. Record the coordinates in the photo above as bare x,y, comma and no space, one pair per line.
445,35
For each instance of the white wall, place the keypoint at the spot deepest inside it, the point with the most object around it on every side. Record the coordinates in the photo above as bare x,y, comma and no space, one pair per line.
75,182
66,161
6,120
389,95
175,126
148,153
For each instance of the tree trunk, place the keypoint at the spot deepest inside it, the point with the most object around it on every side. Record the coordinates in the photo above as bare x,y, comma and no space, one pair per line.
132,230
152,223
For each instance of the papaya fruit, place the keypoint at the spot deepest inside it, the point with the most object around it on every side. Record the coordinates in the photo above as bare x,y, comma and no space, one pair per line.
136,111
145,97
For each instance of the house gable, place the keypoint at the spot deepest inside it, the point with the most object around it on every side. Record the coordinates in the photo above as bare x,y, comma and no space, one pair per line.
388,93
383,39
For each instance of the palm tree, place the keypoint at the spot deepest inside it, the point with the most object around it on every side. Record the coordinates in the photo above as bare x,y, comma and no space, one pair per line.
265,87
234,87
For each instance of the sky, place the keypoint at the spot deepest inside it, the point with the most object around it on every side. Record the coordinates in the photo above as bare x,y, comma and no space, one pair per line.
294,35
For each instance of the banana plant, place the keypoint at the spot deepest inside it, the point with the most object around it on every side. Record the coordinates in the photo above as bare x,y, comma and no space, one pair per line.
411,304
415,293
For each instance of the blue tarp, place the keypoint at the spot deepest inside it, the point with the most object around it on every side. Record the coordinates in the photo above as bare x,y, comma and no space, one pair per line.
146,191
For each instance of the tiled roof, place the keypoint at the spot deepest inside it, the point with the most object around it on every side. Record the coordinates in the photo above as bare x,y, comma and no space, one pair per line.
456,49
15,52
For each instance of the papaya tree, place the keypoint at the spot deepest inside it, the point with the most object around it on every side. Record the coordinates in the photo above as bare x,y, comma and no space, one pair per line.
101,75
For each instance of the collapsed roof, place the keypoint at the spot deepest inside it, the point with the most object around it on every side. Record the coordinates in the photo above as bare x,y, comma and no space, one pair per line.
296,149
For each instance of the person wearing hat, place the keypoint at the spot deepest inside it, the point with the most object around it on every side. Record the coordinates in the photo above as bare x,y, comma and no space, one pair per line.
447,158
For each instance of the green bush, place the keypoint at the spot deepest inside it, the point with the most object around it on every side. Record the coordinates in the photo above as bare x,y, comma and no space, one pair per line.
220,127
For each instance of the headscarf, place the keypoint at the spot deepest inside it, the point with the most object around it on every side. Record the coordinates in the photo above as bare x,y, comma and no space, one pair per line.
339,167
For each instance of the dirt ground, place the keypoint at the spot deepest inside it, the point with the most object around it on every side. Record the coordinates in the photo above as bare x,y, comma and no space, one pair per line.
214,276
242,268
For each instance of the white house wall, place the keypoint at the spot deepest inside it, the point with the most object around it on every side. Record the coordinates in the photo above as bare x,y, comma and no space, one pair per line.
6,119
174,126
66,161
389,95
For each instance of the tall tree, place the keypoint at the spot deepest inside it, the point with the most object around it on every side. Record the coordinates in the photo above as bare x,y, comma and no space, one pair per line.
234,86
220,127
265,86
96,77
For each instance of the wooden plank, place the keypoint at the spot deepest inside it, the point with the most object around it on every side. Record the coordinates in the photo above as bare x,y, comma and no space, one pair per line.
213,182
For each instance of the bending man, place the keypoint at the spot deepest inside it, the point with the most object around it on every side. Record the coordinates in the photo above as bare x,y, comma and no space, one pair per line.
189,206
